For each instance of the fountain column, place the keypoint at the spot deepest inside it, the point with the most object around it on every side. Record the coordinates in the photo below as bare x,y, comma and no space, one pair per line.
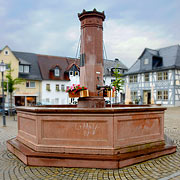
91,59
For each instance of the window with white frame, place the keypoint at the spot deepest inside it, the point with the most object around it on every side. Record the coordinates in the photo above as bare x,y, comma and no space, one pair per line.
47,100
162,76
133,95
62,87
24,68
162,95
56,71
30,84
21,69
133,78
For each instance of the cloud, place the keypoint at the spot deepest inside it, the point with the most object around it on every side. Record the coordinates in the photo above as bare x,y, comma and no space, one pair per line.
127,41
52,27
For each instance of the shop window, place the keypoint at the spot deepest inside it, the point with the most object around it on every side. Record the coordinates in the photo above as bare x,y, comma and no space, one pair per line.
30,84
31,101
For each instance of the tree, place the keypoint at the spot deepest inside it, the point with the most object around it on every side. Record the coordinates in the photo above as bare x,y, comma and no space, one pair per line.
9,86
118,83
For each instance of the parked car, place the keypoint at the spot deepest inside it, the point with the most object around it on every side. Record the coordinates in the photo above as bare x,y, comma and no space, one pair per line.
7,109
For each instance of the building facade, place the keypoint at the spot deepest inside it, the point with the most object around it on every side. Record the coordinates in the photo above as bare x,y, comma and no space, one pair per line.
155,77
109,78
24,66
46,78
58,73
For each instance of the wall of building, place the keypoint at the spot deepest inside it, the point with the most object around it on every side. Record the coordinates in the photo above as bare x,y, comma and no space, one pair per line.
57,97
153,86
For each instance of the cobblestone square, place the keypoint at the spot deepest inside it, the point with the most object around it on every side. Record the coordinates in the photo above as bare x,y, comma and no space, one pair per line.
163,168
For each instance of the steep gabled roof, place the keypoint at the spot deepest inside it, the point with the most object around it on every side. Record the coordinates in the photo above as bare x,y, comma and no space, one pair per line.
71,65
108,64
151,51
31,59
46,62
170,55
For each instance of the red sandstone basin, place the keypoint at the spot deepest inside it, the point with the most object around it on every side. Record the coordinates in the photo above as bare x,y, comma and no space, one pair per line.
89,130
66,136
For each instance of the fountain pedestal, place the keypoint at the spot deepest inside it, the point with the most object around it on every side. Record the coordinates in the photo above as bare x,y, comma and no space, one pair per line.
89,137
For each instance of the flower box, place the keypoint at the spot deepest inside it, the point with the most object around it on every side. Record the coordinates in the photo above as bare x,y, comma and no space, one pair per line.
84,93
73,94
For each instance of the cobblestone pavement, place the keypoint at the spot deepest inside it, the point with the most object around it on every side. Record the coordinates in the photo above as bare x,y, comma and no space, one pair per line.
163,168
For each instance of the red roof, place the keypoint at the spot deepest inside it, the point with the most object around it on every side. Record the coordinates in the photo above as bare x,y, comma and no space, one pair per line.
47,62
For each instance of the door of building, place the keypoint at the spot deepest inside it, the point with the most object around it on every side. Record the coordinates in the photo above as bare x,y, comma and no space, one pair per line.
147,97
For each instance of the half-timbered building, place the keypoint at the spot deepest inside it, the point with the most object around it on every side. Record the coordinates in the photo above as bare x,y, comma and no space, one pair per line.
155,77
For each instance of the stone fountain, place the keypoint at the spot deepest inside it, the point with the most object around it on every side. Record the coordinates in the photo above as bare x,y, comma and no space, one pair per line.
90,135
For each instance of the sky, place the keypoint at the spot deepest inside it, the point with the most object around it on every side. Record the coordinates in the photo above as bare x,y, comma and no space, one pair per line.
52,27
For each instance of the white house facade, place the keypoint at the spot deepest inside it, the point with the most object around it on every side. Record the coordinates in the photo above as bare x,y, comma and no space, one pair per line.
155,77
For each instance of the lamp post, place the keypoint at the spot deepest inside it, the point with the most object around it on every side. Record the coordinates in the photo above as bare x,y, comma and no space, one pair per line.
2,69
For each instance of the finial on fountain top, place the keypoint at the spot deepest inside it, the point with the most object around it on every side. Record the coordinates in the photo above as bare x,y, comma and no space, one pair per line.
94,12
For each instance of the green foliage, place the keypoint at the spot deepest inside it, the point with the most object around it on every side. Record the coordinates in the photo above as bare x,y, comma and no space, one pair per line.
10,87
119,82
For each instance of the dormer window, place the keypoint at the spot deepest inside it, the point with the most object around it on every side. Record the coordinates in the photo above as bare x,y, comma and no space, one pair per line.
56,72
24,68
157,62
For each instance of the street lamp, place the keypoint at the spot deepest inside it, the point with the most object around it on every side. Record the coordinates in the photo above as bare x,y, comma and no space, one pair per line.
2,69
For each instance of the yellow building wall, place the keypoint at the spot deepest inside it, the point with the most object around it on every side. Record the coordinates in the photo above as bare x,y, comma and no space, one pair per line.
10,59
21,89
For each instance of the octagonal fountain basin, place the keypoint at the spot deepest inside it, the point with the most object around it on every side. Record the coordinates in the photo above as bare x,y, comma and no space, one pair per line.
67,136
